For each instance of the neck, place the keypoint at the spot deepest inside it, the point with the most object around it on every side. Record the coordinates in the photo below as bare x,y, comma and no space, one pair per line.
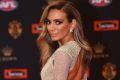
67,39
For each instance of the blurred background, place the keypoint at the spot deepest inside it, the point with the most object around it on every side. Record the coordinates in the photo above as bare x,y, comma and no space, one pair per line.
20,27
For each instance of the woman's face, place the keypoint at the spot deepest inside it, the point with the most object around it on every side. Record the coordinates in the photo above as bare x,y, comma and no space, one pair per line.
58,25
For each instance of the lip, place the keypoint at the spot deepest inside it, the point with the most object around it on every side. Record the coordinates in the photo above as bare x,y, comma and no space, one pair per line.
52,34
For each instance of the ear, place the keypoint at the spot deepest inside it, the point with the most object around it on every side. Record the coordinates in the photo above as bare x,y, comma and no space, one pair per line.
73,24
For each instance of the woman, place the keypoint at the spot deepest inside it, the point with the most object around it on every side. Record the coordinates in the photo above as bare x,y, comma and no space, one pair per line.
62,24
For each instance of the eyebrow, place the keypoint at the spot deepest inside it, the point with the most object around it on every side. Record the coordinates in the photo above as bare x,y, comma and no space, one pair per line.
56,19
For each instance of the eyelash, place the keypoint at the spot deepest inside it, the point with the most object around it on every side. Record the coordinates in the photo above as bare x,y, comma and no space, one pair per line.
58,22
47,22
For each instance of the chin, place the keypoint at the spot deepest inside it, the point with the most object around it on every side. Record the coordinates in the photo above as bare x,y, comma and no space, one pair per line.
55,39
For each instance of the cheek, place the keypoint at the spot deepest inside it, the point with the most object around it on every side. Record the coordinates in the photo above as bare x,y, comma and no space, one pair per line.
47,27
64,30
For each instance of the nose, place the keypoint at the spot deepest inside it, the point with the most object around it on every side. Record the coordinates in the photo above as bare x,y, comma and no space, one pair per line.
51,27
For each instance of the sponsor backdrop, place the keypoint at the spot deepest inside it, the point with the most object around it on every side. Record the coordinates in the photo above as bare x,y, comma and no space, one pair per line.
20,27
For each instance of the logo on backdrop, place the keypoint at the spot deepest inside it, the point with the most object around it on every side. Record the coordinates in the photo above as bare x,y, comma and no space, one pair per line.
15,73
106,25
109,71
100,3
15,29
100,51
8,5
7,54
36,28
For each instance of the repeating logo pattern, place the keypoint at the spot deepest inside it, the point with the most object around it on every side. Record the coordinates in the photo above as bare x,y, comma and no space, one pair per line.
8,5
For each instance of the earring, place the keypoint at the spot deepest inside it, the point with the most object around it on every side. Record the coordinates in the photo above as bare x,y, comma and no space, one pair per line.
71,30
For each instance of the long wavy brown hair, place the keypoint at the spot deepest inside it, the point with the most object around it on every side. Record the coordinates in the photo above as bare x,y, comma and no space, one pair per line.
44,41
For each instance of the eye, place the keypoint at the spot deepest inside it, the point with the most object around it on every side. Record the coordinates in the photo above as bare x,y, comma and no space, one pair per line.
46,22
58,22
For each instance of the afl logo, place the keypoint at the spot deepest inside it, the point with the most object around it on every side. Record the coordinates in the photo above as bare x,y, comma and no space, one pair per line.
100,3
8,5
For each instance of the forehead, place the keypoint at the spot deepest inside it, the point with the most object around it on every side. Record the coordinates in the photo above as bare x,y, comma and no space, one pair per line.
56,14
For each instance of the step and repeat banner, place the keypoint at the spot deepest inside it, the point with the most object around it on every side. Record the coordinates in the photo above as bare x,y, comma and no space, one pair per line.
19,29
